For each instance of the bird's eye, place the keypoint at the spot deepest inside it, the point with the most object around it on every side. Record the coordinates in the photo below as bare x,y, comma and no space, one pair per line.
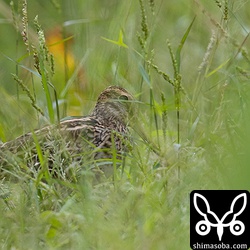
123,97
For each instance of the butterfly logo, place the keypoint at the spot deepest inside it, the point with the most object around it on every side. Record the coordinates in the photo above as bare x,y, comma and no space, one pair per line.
203,227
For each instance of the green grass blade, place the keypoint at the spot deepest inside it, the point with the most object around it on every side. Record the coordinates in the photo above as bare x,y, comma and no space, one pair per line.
38,149
183,40
21,65
48,97
119,42
144,75
218,68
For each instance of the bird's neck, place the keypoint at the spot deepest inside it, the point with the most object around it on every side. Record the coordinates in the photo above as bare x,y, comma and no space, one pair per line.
109,117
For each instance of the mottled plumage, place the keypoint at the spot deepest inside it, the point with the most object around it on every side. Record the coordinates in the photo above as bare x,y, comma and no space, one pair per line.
95,138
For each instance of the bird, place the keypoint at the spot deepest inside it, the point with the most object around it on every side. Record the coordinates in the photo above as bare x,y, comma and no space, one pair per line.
96,140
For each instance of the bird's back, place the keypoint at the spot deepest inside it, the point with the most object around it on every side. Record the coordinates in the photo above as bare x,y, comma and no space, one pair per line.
90,141
82,141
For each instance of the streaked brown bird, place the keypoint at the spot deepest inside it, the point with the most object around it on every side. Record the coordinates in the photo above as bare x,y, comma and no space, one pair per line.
95,141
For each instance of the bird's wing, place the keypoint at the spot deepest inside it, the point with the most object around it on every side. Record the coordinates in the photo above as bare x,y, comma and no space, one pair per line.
70,129
72,139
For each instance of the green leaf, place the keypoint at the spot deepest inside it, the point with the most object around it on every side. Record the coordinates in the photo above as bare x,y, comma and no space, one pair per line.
183,40
61,41
21,65
144,74
38,148
218,68
119,42
47,94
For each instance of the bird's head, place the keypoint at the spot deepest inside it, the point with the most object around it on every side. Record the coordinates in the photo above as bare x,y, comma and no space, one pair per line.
114,105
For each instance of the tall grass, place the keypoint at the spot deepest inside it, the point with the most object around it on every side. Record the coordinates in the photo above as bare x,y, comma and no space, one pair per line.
187,64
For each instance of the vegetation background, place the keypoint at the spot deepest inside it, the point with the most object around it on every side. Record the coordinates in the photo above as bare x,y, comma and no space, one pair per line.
188,64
